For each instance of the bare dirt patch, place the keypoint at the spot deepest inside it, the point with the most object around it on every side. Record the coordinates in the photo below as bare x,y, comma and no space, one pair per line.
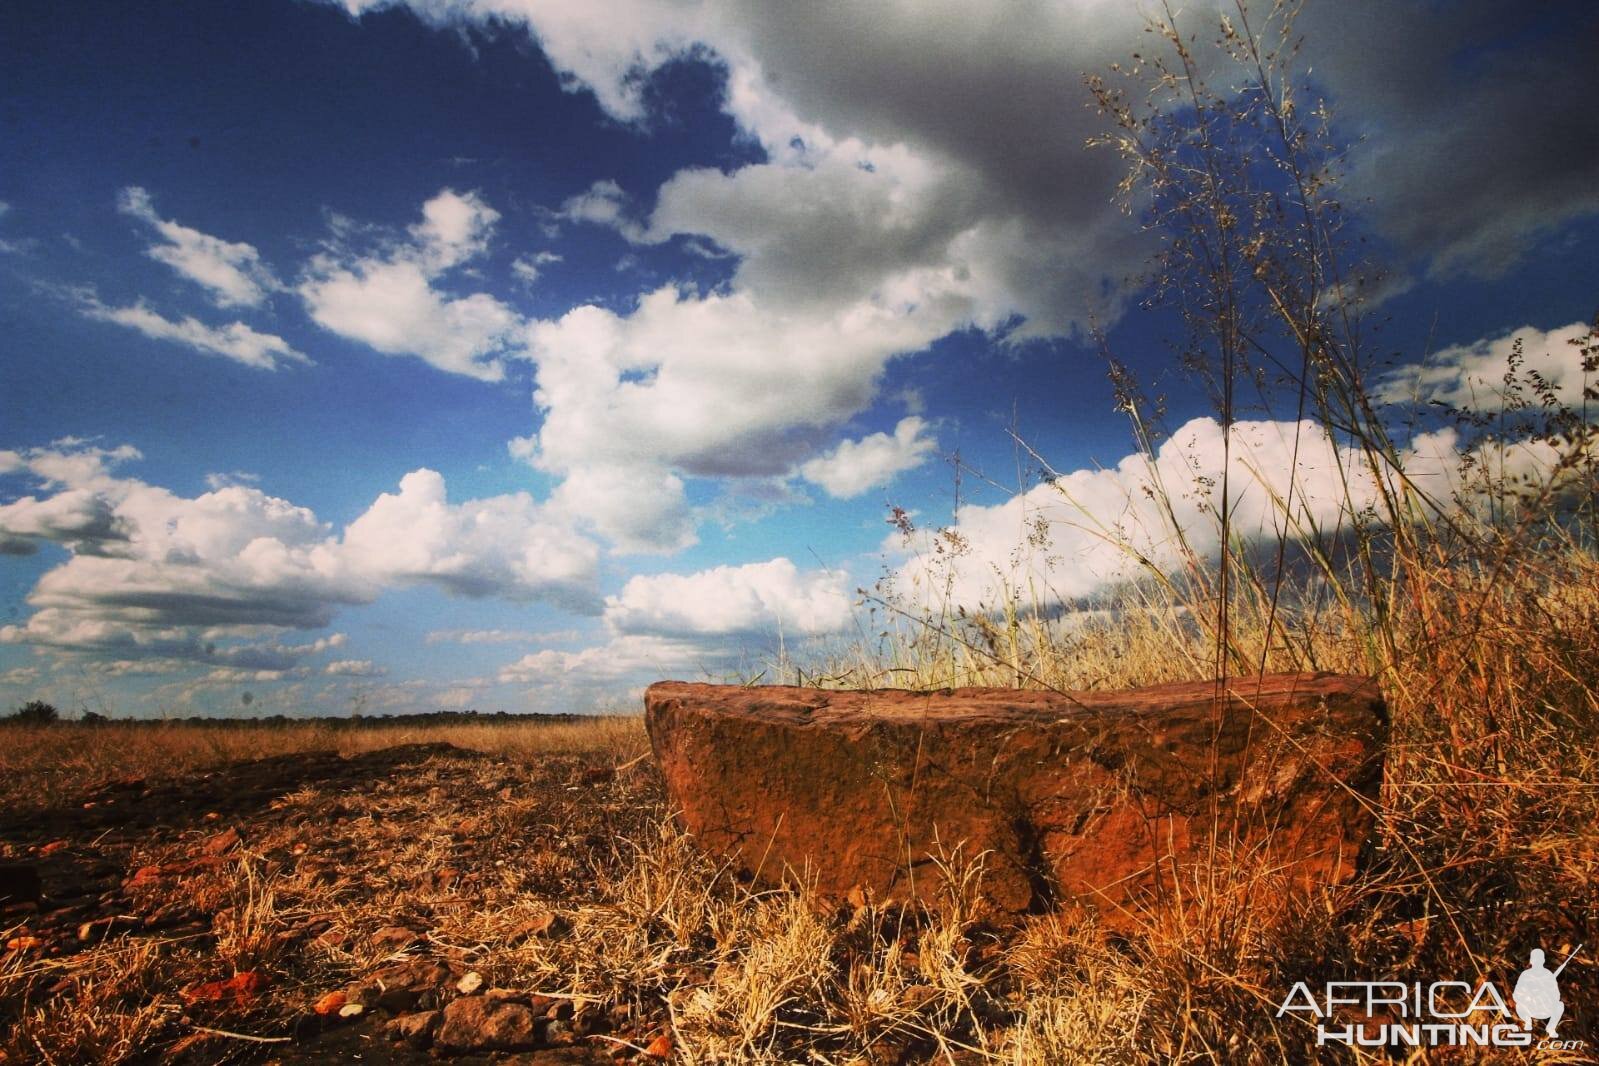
310,907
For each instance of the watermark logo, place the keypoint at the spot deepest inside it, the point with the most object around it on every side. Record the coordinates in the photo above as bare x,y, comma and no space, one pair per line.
1537,993
1439,1013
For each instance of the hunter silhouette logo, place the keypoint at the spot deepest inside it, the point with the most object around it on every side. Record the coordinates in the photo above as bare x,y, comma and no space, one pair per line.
1438,1013
1537,992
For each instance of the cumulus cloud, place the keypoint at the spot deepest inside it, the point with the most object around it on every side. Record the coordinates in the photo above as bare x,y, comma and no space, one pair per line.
1088,530
1472,376
389,300
604,204
925,172
713,386
496,636
155,575
507,546
770,598
918,196
236,341
232,272
454,228
353,668
618,660
76,517
529,268
718,623
855,466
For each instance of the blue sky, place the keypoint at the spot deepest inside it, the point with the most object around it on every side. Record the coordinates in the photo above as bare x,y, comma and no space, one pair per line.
511,354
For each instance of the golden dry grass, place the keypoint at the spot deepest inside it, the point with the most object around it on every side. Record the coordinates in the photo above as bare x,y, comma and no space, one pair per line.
40,764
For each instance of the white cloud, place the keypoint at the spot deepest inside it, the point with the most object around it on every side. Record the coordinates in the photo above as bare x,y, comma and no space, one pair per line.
639,508
604,204
855,466
1472,376
75,516
1090,529
720,623
506,546
621,659
236,341
772,598
454,228
388,301
221,480
711,386
528,268
353,668
498,636
231,271
155,575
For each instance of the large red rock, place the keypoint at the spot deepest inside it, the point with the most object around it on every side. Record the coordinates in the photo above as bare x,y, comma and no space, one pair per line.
1099,797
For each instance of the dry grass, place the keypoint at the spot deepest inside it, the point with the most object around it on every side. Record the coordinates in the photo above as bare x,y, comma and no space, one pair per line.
40,764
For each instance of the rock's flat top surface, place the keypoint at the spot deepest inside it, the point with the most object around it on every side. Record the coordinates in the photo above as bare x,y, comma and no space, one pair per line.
828,707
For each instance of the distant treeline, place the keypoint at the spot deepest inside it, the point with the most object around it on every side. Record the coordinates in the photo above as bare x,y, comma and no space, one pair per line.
38,713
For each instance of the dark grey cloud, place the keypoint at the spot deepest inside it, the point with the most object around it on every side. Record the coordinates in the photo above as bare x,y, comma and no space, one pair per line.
1477,118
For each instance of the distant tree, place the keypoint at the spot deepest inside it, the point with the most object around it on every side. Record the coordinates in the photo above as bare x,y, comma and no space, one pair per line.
93,718
36,712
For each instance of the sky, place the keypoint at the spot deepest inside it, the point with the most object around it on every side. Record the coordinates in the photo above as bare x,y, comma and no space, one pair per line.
377,357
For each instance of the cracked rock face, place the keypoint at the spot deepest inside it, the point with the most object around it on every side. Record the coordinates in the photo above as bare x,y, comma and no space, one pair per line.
1106,799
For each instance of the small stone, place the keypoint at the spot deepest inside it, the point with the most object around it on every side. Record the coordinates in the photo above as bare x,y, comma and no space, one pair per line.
222,843
414,1029
351,1010
558,1032
547,925
240,990
144,875
469,983
479,1024
393,938
331,1003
